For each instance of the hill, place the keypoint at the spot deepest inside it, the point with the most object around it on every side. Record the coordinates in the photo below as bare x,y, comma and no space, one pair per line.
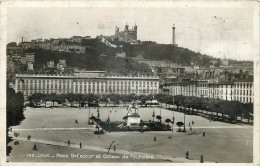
91,61
153,51
100,54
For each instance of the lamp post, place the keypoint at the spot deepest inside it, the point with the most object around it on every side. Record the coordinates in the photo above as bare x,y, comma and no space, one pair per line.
184,115
88,114
173,113
153,115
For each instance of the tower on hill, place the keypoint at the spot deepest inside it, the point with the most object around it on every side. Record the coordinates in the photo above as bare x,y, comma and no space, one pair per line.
173,35
128,35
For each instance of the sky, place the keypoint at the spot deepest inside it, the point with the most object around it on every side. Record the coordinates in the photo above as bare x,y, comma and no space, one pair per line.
217,31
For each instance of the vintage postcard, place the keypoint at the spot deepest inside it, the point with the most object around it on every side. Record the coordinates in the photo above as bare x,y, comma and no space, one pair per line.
130,82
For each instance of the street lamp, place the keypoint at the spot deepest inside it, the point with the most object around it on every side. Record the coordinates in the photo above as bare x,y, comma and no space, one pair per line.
88,114
173,113
184,130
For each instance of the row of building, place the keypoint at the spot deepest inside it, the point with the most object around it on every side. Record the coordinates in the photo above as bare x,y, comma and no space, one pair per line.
73,44
84,82
25,59
97,82
239,90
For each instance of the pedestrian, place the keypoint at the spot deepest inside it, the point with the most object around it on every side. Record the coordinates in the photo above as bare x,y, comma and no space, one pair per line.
204,134
114,147
80,145
187,155
68,142
201,159
34,147
189,124
154,139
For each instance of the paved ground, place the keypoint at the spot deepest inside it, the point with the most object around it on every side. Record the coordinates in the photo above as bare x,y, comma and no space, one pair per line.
51,128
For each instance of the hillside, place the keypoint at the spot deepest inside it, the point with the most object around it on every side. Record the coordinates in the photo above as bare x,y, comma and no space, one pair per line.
91,61
101,55
153,51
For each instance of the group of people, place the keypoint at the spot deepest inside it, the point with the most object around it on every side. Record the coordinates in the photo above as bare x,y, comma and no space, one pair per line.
192,122
28,137
188,157
16,134
80,144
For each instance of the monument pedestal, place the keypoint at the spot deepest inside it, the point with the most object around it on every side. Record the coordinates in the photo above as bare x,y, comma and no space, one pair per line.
133,119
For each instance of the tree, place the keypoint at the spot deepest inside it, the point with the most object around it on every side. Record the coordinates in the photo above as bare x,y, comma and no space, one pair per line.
53,98
248,110
159,118
168,121
125,117
179,124
14,112
196,103
178,100
189,102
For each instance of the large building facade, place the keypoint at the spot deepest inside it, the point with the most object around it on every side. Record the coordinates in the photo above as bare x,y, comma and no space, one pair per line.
240,90
244,91
85,83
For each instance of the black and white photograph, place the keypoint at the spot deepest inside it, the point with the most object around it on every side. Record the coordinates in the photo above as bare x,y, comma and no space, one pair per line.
130,82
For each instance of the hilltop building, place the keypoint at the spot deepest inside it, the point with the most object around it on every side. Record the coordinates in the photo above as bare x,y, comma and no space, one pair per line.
128,35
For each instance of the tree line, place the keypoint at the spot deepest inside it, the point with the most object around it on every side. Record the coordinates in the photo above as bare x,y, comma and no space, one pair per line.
14,112
226,109
218,108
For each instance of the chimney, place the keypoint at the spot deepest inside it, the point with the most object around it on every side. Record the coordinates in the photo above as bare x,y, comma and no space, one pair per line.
241,74
246,74
226,76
